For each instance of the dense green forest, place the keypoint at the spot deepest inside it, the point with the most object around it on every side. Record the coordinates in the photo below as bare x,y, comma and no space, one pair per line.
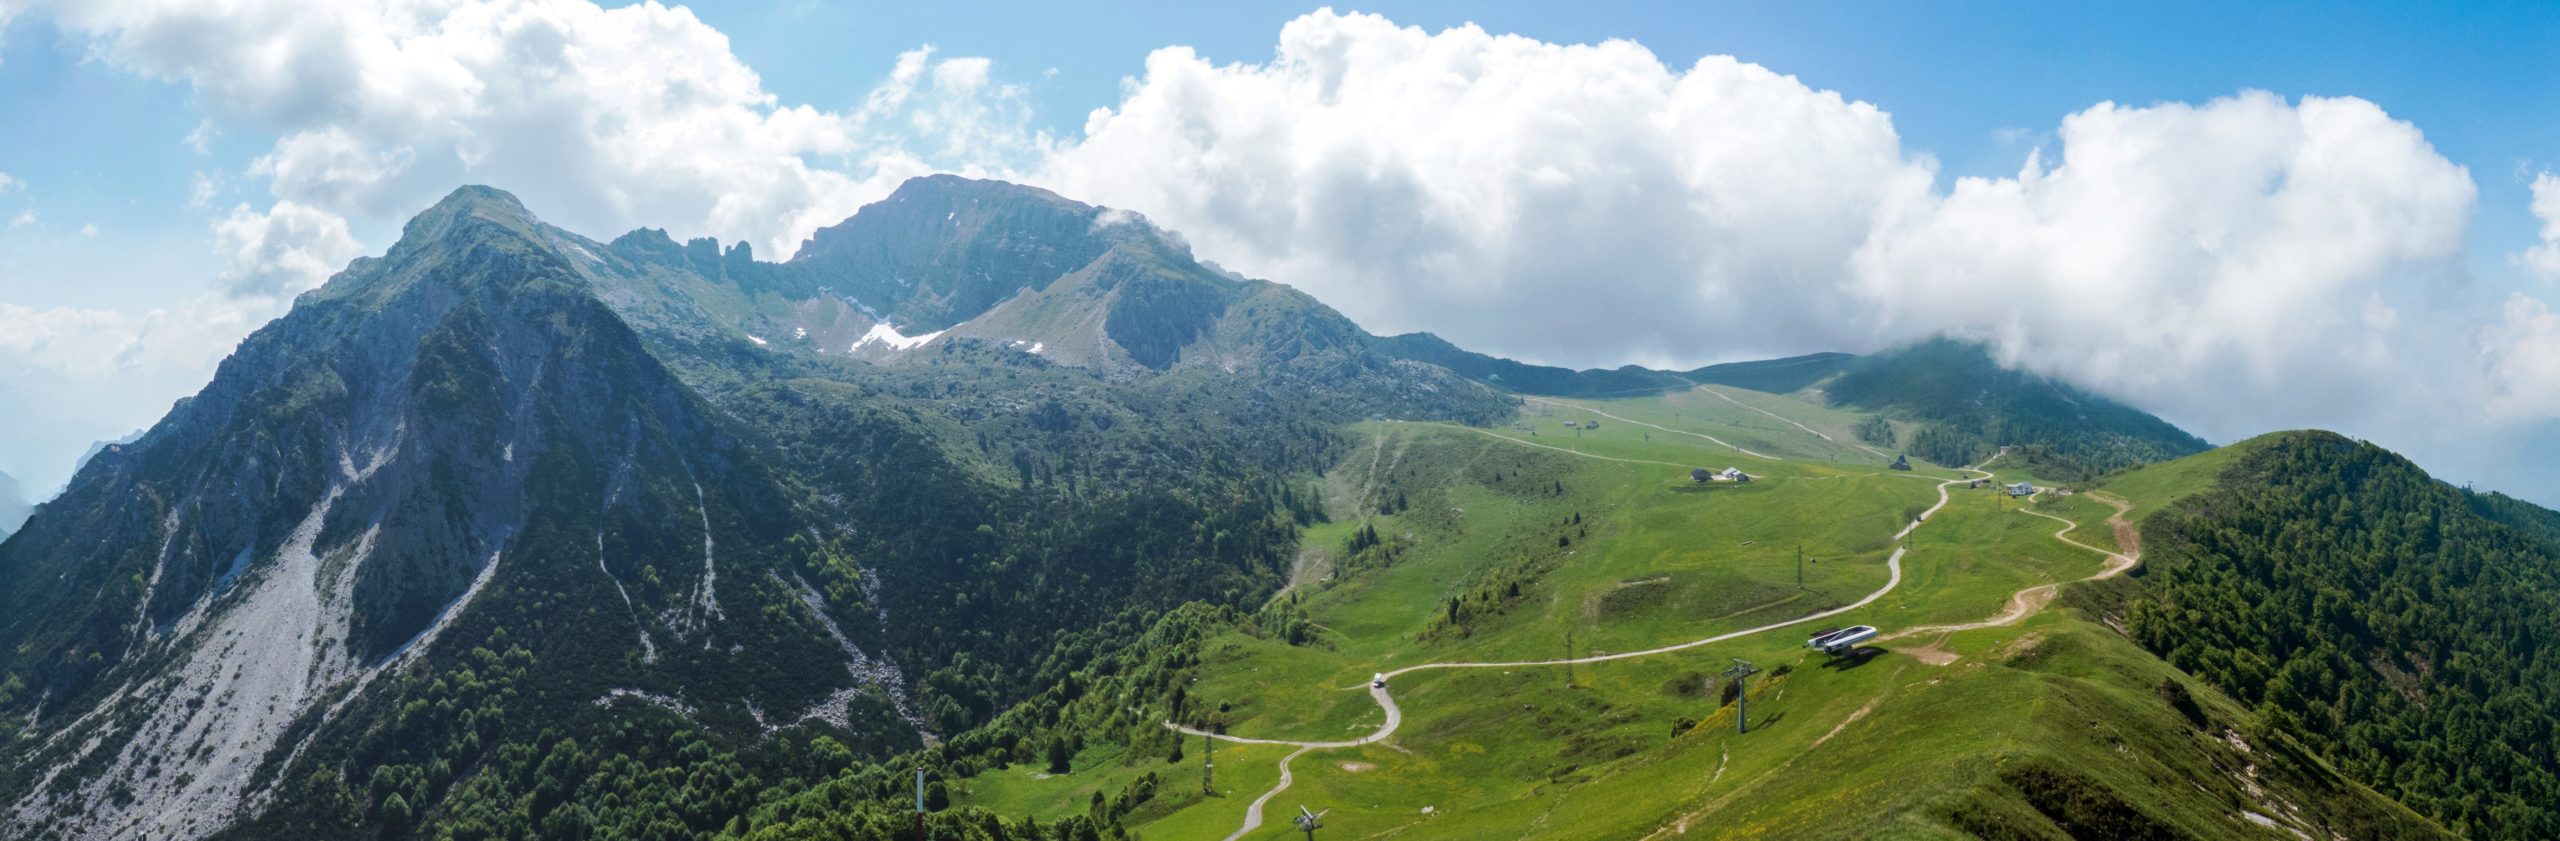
455,762
2403,628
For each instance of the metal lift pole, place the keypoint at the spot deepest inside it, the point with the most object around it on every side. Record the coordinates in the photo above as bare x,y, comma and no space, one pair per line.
1741,674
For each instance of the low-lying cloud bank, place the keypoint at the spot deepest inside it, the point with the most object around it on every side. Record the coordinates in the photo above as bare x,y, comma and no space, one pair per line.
2244,264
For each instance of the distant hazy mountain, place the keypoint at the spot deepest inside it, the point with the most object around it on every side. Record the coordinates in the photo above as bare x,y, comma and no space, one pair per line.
1966,404
96,447
13,505
1970,407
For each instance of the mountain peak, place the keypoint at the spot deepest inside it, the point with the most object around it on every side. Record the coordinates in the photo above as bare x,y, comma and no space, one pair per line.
469,207
935,206
946,184
480,200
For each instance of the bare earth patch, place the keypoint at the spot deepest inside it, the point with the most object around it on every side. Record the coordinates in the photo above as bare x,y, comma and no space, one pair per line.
1935,653
1354,767
1844,723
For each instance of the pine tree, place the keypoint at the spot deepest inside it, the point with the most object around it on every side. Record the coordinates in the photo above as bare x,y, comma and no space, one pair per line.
1060,759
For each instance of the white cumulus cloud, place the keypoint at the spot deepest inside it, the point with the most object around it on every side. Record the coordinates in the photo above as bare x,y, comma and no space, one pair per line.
603,119
1580,204
2544,257
280,252
2181,254
2524,360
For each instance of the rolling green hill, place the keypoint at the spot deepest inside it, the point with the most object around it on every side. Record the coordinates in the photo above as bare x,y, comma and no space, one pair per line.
1956,405
1775,376
2395,625
1473,545
1970,407
1526,378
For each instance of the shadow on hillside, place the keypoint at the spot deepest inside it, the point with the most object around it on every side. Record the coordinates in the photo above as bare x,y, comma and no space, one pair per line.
1855,658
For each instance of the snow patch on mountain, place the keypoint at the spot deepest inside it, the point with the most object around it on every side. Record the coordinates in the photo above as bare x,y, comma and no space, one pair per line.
886,336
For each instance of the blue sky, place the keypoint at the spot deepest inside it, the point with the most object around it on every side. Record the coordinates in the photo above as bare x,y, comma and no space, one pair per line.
2236,262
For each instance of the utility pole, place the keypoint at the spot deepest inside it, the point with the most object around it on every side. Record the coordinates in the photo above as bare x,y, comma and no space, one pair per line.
1741,672
919,804
1208,763
1568,657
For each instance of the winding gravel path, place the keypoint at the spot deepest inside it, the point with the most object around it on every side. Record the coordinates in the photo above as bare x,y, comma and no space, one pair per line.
2027,602
1395,715
1791,421
1719,441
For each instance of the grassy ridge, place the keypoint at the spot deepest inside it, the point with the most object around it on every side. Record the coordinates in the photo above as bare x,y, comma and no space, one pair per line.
2373,613
2052,727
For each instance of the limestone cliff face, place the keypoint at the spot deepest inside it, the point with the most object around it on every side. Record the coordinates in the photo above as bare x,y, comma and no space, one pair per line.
455,432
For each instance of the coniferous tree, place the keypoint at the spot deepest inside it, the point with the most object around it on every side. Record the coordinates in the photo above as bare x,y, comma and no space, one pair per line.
1060,758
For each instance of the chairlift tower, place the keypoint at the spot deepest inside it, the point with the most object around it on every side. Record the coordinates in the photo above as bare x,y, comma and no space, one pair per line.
1308,822
1568,657
1208,764
1742,670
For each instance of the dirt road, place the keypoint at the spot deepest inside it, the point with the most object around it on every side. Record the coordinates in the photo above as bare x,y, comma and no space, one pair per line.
1395,714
